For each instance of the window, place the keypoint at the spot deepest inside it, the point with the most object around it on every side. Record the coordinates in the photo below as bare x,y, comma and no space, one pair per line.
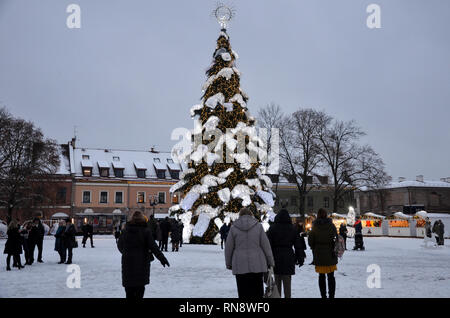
61,195
119,197
294,200
310,201
85,157
175,199
115,158
104,172
141,173
326,202
161,174
86,196
118,173
161,197
174,174
103,196
156,160
87,171
169,160
141,197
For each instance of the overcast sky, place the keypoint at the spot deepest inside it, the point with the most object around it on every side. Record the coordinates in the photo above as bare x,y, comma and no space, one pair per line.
131,73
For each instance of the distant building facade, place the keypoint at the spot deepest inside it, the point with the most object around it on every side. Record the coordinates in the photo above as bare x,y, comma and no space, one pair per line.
104,186
320,195
406,196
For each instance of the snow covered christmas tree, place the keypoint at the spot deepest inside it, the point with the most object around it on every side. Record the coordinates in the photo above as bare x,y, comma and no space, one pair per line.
223,165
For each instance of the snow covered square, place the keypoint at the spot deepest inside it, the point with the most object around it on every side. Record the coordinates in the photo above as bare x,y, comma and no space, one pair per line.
406,270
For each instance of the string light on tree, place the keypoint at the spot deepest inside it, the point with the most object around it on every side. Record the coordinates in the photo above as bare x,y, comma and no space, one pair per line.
213,186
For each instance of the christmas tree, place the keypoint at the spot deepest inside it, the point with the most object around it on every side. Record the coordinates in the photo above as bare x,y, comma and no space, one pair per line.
223,171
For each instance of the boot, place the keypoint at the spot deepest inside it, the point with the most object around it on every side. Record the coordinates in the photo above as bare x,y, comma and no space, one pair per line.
322,286
8,268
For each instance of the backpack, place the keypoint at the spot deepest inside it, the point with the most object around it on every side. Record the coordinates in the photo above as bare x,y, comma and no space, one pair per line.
339,247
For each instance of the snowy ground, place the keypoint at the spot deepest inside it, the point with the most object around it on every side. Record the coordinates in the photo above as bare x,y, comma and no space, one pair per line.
407,270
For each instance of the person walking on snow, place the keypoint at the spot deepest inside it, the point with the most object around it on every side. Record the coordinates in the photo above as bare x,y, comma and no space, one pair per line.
137,246
165,229
322,239
88,232
69,240
440,232
248,254
343,232
288,250
224,229
13,245
175,235
59,242
39,238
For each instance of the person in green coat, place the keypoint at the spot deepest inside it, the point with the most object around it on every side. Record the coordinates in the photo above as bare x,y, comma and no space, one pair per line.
321,239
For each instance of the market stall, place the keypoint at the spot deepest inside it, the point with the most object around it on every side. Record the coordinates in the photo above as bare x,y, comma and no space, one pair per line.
399,224
420,220
338,219
373,224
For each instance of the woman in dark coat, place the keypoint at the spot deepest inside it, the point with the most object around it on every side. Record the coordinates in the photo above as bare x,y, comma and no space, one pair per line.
59,243
137,246
321,239
175,236
13,245
343,232
288,250
69,239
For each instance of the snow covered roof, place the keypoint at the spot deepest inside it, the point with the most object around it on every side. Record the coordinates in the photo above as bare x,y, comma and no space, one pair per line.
60,215
402,215
159,165
139,165
374,215
410,184
64,163
118,165
86,164
173,166
129,160
103,164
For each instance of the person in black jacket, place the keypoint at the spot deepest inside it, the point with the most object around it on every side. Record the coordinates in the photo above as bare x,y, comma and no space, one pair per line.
152,225
224,229
39,238
137,246
33,237
181,227
165,229
59,242
288,250
88,232
343,232
175,235
69,239
13,245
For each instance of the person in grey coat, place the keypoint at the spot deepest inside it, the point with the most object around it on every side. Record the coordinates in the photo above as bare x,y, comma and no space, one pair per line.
248,254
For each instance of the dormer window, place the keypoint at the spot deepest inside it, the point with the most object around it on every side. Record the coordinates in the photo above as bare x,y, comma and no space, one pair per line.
159,168
115,158
140,169
118,167
174,169
103,168
85,157
86,166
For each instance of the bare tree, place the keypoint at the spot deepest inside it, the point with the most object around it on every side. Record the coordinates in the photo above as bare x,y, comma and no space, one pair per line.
27,160
300,148
349,163
270,117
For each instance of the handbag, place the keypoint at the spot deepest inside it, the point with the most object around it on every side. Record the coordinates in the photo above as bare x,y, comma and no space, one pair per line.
271,288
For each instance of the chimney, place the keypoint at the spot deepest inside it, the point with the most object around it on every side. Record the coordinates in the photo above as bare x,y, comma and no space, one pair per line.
152,150
401,179
447,179
419,178
443,179
73,142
